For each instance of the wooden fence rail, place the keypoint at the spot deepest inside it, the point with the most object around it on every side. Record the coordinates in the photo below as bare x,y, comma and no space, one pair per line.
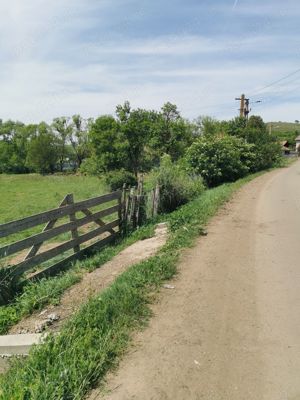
67,208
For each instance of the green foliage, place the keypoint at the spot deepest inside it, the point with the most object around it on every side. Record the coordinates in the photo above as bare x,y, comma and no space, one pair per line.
68,364
136,139
62,130
220,159
116,179
205,125
279,127
135,129
229,150
108,144
91,166
290,136
266,146
27,148
42,151
177,187
14,137
79,138
170,134
236,126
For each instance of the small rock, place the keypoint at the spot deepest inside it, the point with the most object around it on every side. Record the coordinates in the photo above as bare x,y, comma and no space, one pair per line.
43,312
53,317
196,362
167,286
23,331
40,327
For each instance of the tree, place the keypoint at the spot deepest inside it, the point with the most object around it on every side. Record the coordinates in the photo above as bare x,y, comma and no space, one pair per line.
205,125
14,137
135,129
171,134
254,131
236,126
42,155
79,138
62,128
107,146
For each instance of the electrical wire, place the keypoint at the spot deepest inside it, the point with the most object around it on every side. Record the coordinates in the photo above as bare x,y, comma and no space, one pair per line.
275,82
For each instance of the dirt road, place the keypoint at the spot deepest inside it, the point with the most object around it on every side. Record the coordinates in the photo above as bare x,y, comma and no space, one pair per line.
230,330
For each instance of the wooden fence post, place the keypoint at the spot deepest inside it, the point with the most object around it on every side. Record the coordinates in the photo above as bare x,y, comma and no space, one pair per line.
67,209
121,212
35,248
74,232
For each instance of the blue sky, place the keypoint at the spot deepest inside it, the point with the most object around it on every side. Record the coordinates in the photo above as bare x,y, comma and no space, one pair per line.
62,57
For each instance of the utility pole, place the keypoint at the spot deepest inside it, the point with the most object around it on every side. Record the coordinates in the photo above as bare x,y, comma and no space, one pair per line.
244,106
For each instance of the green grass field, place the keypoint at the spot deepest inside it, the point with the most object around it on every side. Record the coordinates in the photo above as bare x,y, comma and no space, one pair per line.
284,126
25,195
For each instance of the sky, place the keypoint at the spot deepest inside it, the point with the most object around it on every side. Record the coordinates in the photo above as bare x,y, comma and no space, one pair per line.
64,57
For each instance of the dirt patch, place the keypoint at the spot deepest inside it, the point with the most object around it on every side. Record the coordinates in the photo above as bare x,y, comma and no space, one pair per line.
92,283
19,257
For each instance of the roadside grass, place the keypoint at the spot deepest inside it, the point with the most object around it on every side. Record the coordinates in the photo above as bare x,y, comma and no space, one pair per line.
287,161
66,366
24,195
37,295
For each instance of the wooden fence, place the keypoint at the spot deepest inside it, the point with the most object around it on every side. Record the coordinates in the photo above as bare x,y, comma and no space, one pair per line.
105,232
136,210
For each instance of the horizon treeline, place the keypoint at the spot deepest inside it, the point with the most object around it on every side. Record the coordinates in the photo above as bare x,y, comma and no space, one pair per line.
133,140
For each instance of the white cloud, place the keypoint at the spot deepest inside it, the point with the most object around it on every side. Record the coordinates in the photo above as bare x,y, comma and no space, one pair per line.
51,64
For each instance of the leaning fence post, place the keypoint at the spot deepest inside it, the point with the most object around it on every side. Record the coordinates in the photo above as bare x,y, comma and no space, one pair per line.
74,231
35,248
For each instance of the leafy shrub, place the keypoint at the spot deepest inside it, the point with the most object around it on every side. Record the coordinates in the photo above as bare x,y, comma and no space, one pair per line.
116,179
266,147
90,166
177,187
267,155
221,159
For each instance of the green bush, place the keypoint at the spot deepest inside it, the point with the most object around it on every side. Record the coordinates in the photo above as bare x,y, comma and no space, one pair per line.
176,185
221,159
266,147
90,166
116,179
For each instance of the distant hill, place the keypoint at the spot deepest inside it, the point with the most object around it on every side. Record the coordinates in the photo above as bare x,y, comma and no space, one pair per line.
284,126
285,130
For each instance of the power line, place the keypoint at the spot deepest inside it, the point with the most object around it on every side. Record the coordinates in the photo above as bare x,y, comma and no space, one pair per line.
275,82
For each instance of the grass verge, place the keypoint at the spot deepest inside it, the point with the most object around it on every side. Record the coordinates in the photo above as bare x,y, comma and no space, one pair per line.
68,365
28,194
37,295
